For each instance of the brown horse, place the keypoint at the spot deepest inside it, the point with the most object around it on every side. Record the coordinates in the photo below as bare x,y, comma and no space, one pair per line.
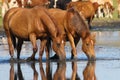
86,8
89,71
74,26
31,24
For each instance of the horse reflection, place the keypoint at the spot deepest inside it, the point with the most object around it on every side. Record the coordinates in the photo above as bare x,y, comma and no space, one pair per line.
48,75
74,71
35,71
60,72
16,75
12,73
89,71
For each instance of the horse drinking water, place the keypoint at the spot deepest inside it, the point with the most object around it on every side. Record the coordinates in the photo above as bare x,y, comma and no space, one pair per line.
31,24
74,26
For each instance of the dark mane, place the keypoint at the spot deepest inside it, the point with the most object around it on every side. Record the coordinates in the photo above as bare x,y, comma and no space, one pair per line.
78,22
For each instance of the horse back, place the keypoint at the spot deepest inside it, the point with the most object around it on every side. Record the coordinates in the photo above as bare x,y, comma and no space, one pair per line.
85,7
59,18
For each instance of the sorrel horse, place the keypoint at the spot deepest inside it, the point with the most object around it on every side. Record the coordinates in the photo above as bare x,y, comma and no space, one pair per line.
31,24
75,28
86,8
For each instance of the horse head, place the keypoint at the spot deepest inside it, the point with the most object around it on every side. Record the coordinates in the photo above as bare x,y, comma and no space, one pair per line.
88,44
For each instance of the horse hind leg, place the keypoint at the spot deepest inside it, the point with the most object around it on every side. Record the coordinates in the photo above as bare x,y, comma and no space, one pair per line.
45,44
10,44
47,48
42,47
19,46
33,41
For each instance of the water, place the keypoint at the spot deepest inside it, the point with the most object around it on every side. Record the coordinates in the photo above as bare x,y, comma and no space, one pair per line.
106,67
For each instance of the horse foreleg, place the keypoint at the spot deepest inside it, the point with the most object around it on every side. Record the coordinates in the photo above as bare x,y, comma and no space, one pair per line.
33,41
47,48
74,52
42,47
19,46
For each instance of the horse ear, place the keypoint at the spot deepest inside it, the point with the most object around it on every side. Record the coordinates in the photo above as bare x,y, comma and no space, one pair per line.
93,35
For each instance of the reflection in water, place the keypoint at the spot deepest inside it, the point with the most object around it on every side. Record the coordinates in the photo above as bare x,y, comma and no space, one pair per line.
48,75
16,75
12,73
89,71
35,73
74,71
45,73
60,72
110,38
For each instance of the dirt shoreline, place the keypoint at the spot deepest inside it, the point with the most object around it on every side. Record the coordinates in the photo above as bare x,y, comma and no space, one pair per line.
97,25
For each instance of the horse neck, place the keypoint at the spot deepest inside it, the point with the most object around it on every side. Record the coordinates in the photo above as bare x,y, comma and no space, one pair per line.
85,34
83,29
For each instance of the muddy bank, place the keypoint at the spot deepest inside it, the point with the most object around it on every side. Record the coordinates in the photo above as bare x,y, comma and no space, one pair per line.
102,24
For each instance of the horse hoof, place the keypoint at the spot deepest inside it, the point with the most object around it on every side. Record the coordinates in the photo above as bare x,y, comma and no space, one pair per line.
55,57
12,59
30,59
74,57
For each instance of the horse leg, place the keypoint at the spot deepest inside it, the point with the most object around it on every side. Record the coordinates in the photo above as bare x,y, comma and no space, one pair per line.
47,48
19,46
42,47
76,40
89,21
11,49
33,41
74,52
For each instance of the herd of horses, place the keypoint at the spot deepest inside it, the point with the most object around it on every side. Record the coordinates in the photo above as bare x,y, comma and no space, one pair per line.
52,26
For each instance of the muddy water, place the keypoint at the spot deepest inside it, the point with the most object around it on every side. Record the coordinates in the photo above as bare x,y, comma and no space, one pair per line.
106,67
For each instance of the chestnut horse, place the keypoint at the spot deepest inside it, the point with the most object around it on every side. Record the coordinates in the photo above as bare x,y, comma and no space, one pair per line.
31,24
86,8
74,26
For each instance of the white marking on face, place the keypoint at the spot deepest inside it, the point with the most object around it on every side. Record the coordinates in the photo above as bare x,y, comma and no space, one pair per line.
62,41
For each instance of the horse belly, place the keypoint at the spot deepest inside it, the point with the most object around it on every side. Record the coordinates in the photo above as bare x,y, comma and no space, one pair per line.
20,33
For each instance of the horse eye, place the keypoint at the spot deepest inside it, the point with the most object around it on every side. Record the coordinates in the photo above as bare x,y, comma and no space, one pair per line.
14,2
87,44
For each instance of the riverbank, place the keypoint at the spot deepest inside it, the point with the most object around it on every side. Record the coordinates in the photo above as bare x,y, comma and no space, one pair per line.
106,24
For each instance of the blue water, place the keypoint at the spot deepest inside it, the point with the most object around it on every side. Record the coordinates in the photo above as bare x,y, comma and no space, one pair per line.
106,67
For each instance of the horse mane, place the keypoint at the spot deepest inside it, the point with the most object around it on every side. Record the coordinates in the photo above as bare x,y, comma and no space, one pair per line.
78,21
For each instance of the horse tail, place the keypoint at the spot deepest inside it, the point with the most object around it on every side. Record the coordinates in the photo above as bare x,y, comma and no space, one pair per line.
7,17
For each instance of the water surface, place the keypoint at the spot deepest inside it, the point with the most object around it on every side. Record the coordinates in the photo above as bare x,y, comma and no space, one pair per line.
106,67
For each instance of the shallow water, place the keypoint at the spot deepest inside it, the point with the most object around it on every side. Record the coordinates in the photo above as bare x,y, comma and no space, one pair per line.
106,67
